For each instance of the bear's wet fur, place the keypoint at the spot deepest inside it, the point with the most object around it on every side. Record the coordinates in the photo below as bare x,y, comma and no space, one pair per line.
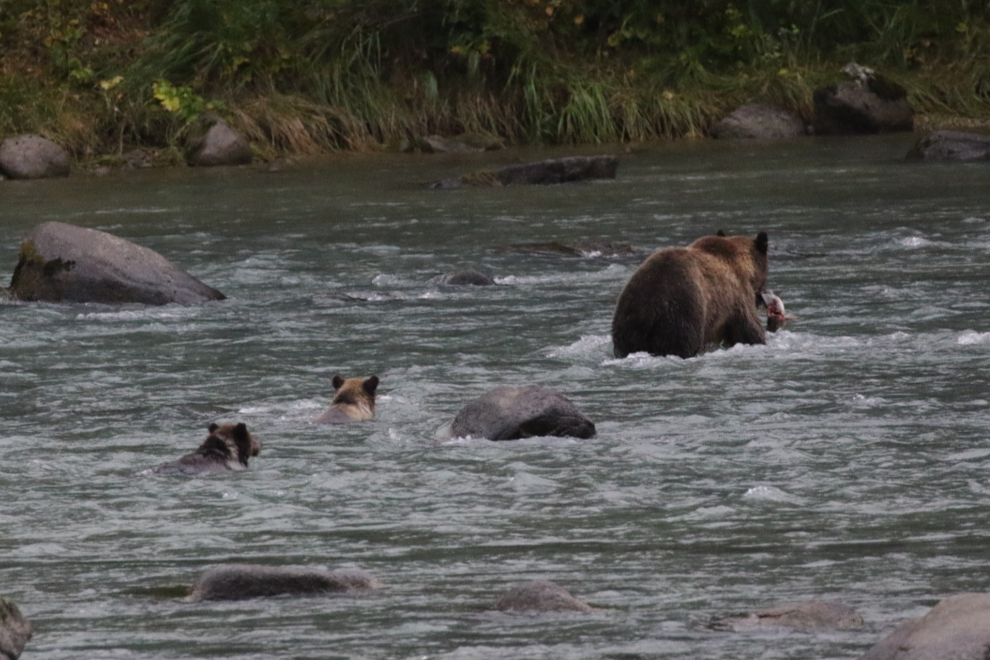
354,401
227,447
683,299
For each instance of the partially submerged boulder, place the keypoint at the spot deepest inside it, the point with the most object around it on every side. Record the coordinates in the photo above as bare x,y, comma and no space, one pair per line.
212,142
586,249
65,263
243,581
957,628
540,596
951,146
469,277
15,631
757,121
513,413
809,615
559,170
32,157
867,104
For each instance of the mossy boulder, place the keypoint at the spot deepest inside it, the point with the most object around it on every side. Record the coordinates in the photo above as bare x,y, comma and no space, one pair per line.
212,142
32,157
867,105
756,121
15,631
513,413
64,263
243,581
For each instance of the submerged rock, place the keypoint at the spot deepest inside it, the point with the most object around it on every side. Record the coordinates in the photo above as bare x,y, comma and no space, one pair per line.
951,146
810,615
868,104
243,581
468,277
15,631
560,170
957,628
32,157
586,249
510,413
213,143
757,121
65,263
540,596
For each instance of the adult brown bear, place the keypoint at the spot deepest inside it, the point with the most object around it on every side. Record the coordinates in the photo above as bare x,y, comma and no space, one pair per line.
682,299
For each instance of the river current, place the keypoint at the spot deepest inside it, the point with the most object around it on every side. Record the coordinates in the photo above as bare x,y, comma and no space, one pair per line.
846,460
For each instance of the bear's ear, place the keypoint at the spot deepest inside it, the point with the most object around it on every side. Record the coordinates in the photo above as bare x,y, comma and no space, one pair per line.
212,428
337,382
240,431
720,232
761,242
370,385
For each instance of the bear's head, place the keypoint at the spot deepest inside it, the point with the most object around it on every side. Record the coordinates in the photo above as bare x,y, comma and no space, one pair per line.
237,438
746,254
355,391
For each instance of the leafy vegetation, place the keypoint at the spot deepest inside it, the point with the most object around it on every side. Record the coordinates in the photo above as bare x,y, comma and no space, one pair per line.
310,75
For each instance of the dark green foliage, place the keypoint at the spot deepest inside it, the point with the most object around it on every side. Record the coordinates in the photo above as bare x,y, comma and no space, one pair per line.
317,74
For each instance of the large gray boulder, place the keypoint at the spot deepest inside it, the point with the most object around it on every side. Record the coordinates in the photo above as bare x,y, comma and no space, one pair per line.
243,581
866,105
32,157
15,631
809,615
540,596
512,413
65,263
958,628
951,146
546,172
756,121
212,142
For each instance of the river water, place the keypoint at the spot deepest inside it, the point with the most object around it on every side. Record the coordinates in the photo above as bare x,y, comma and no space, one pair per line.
846,460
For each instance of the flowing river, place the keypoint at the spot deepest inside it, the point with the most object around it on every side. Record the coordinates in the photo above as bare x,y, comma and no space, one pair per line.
846,460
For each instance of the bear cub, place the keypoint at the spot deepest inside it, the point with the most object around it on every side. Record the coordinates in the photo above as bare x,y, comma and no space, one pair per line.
683,299
354,401
227,447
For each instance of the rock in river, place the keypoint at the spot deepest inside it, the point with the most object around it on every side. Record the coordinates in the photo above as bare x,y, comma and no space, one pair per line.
511,413
540,596
15,631
809,615
65,263
243,581
957,628
559,170
951,146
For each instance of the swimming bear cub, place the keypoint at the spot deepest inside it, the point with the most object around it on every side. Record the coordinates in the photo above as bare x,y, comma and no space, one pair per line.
228,447
354,401
682,299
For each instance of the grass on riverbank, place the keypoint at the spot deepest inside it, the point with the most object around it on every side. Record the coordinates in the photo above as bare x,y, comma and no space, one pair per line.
322,75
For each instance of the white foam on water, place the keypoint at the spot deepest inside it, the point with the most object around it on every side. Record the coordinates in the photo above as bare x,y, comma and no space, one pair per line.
971,337
765,493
